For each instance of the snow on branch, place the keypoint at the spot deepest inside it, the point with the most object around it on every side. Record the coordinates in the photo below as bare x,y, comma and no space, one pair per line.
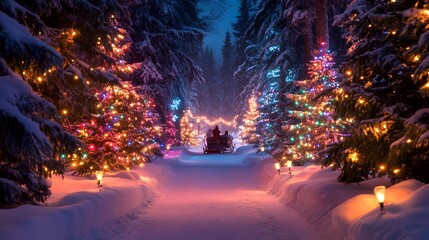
18,46
417,117
17,102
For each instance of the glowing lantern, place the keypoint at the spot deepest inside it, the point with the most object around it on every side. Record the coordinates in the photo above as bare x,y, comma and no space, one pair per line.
289,165
379,192
277,166
99,176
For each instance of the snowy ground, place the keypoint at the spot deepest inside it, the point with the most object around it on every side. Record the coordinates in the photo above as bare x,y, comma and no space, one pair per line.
215,196
188,195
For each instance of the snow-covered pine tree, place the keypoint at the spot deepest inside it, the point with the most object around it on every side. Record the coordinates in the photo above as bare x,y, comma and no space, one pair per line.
167,39
244,19
32,144
239,29
272,63
207,90
384,89
76,29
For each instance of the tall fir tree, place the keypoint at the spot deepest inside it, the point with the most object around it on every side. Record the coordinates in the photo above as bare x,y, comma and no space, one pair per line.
208,98
272,63
167,39
239,31
384,90
32,142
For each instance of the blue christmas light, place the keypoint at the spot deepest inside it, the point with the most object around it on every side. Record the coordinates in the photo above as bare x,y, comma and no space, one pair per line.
174,118
175,104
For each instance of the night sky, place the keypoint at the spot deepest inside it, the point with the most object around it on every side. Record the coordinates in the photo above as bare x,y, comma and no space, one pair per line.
217,35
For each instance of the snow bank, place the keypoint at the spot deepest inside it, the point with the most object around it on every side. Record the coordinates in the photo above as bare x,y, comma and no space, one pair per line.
77,210
80,210
407,215
351,211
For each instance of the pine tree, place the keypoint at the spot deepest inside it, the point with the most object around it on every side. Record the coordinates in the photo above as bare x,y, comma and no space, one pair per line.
242,42
121,134
208,98
272,64
170,134
76,29
187,130
32,143
384,90
248,131
311,127
239,30
167,39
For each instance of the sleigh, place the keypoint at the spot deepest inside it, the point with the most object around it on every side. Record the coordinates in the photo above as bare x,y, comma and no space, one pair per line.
218,145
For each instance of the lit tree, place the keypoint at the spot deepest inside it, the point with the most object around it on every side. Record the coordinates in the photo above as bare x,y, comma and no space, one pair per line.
187,131
170,133
76,30
272,62
384,89
311,126
248,131
32,143
121,134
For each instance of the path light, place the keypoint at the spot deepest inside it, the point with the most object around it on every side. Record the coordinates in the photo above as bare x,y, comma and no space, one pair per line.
379,192
382,169
289,165
262,150
277,165
99,175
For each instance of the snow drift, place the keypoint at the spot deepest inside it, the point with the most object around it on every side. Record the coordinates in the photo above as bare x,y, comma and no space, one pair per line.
352,211
81,209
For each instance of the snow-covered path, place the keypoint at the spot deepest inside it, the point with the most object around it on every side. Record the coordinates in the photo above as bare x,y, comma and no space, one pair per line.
216,196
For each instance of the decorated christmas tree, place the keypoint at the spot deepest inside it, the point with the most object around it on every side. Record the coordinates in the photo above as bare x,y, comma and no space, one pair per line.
248,131
121,134
187,129
384,90
311,126
170,134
